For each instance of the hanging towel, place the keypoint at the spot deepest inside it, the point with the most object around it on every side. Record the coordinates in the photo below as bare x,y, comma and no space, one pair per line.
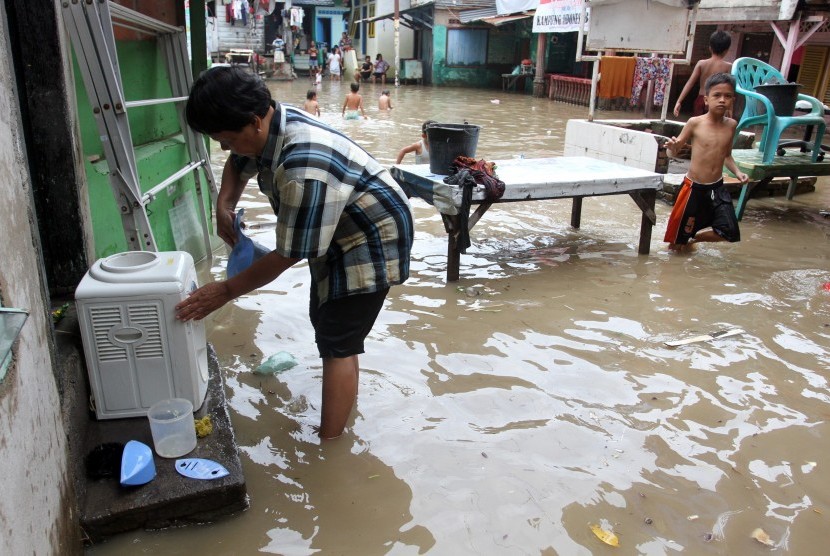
617,76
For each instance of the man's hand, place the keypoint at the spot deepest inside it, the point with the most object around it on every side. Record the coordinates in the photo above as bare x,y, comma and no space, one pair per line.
743,177
203,301
224,225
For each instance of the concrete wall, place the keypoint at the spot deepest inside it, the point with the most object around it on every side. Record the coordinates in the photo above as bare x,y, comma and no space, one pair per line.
37,512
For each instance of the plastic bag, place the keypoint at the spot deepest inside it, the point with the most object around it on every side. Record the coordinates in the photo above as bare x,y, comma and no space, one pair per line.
277,363
246,250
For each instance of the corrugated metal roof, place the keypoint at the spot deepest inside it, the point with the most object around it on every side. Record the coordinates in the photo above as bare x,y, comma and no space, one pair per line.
474,15
312,2
465,4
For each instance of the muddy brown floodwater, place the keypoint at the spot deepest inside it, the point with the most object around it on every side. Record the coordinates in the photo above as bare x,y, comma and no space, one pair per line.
510,411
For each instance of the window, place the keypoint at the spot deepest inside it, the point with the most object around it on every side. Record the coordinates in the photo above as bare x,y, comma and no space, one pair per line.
466,47
371,31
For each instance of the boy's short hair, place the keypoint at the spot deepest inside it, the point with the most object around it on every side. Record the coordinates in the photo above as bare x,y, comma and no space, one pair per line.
355,87
719,79
426,124
310,94
226,99
385,92
719,42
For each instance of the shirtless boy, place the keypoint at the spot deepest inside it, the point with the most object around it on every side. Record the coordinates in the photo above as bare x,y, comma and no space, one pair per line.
311,105
353,106
385,101
703,210
719,43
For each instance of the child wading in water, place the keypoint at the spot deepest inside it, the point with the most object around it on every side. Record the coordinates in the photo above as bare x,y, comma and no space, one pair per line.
353,106
719,43
311,105
421,148
703,202
385,101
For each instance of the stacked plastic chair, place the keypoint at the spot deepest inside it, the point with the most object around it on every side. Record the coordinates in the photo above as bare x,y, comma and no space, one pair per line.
759,110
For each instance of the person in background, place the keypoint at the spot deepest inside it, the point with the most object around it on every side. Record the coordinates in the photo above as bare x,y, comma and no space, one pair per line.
719,43
381,66
703,201
279,50
345,42
420,148
312,61
353,105
365,71
385,101
344,214
311,105
334,62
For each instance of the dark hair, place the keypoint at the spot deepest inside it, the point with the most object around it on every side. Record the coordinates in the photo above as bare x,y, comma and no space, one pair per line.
719,42
226,99
719,79
426,124
385,92
379,56
355,87
311,94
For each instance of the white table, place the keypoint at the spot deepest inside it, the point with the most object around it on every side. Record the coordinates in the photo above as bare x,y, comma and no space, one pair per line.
530,179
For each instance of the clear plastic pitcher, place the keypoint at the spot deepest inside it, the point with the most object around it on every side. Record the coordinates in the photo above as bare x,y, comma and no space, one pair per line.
171,423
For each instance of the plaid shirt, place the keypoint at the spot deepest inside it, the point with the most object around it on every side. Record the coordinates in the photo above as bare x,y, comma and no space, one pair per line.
336,206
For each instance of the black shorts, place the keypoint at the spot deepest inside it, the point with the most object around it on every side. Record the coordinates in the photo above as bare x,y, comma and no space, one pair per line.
365,75
341,325
700,206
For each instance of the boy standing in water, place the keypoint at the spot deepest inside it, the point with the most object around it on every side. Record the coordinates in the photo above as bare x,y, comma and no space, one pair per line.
703,202
385,101
719,43
311,105
353,106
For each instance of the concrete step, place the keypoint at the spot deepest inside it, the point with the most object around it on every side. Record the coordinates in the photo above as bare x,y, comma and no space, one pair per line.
105,507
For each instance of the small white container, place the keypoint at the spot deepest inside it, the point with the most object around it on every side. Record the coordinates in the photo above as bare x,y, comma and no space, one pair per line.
172,426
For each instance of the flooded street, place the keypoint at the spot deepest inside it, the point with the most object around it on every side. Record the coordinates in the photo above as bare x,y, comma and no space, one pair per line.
508,412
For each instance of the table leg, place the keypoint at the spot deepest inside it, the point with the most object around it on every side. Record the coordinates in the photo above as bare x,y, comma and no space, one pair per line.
453,255
646,221
576,212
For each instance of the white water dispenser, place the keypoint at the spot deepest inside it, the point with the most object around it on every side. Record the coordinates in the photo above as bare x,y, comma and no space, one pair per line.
137,353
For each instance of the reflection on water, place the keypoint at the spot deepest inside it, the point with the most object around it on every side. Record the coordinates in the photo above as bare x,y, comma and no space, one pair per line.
505,413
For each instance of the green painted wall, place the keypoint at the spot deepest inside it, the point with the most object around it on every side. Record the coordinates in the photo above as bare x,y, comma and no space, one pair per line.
160,152
479,76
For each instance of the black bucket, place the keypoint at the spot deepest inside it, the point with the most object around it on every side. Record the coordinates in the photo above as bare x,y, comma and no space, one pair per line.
447,141
781,95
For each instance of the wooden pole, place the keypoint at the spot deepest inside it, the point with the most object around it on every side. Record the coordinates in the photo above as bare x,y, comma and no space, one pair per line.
539,78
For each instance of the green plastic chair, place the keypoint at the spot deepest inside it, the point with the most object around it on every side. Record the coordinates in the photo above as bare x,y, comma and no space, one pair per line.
758,110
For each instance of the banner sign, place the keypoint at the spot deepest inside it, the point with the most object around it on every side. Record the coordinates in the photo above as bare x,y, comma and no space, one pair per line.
558,16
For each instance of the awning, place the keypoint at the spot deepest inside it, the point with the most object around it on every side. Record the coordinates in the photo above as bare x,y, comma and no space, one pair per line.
415,17
502,19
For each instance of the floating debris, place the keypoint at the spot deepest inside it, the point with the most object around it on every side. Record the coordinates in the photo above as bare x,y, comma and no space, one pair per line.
608,537
762,537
